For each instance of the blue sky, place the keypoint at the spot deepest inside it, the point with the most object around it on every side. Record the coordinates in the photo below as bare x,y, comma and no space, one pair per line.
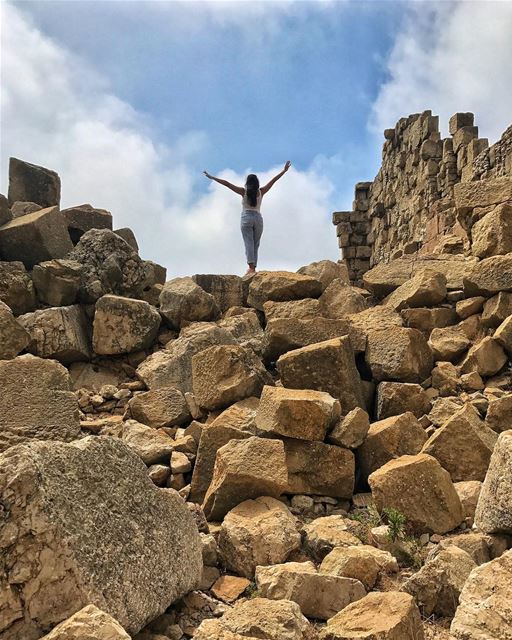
130,101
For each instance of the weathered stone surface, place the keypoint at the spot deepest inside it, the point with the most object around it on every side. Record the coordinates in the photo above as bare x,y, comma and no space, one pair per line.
227,290
172,367
84,217
5,212
477,545
325,366
448,344
483,193
326,271
425,289
361,562
122,517
489,276
427,319
85,375
437,585
492,235
377,616
463,445
388,439
280,286
443,409
123,325
503,334
296,413
19,208
57,281
394,398
468,492
164,407
257,532
399,354
351,430
182,300
110,265
285,334
486,357
421,489
32,183
499,414
245,469
324,534
315,468
13,336
259,618
224,374
363,323
301,309
16,288
128,236
61,333
445,378
496,309
494,509
245,328
90,623
485,609
152,446
35,237
340,300
469,306
318,595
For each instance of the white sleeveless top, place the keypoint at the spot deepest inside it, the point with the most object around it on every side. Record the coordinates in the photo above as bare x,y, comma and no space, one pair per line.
249,207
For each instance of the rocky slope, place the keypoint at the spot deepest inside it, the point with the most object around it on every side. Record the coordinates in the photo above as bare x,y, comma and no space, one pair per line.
285,457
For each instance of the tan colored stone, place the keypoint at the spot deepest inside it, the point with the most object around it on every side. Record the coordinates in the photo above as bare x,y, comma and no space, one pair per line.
164,407
489,276
448,344
13,336
394,398
469,306
468,492
427,319
90,623
421,489
227,290
445,378
443,409
326,271
57,281
486,358
340,300
492,234
351,430
483,193
362,562
280,286
182,300
425,289
503,334
229,588
257,532
499,414
322,535
151,445
16,288
362,323
304,309
398,354
477,545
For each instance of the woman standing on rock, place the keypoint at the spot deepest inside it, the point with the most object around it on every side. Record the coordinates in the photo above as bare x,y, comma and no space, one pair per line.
252,220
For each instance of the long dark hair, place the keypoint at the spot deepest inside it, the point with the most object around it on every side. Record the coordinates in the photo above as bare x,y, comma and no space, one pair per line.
252,184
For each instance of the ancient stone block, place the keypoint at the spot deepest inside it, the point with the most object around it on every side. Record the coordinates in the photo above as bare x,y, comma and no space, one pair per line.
492,235
399,354
13,337
16,288
394,398
361,562
340,300
182,300
280,286
90,622
164,407
57,281
351,430
227,291
32,183
326,271
84,217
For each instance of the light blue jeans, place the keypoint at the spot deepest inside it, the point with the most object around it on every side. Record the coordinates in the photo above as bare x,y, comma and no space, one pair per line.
252,228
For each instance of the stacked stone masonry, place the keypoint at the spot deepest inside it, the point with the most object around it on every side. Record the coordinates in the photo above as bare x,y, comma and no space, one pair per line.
410,207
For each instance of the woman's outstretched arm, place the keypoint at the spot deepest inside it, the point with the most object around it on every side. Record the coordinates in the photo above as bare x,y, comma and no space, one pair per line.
225,183
276,178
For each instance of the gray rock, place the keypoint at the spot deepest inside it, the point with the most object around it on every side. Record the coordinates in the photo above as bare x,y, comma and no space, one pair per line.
32,183
16,288
128,236
84,217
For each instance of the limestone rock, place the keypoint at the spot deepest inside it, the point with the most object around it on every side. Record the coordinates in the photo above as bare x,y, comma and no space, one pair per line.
164,407
152,446
399,354
13,336
280,286
425,289
182,300
477,545
227,290
489,276
296,413
421,489
326,271
224,374
494,509
351,430
388,439
325,366
84,217
483,193
57,281
20,208
259,618
340,300
90,623
463,445
257,532
394,398
378,616
492,234
364,322
361,562
35,237
245,328
486,358
318,595
427,319
128,236
124,527
445,379
16,288
324,534
109,265
32,183
123,325
304,309
485,605
499,414
448,344
469,306
496,309
61,333
443,409
468,492
245,469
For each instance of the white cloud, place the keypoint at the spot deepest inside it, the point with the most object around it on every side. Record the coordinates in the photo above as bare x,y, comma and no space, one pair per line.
451,57
59,113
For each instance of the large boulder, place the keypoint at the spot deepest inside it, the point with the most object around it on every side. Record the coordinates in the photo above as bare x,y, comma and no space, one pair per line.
280,286
304,309
296,413
425,289
463,445
97,530
32,183
5,211
13,336
36,402
351,430
61,333
224,374
325,366
16,288
322,535
245,469
318,595
496,309
90,623
486,357
227,290
421,489
182,300
151,445
57,282
361,562
378,616
499,413
123,325
257,532
448,343
494,508
388,439
326,271
340,300
35,237
482,193
110,265
394,398
164,407
84,217
399,354
378,317
489,276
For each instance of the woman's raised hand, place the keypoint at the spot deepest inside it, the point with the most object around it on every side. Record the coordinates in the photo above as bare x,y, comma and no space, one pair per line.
287,165
207,174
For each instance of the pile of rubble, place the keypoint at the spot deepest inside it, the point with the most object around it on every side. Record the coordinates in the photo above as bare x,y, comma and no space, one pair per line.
282,457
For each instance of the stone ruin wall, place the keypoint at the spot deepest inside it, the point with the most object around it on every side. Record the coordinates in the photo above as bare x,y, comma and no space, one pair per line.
409,207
